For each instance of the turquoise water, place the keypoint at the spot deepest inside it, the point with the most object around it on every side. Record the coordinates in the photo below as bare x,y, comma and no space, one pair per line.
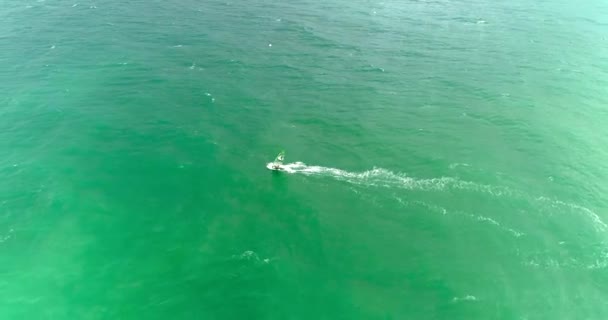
447,159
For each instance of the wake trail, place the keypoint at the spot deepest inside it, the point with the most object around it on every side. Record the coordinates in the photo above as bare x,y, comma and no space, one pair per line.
383,178
377,177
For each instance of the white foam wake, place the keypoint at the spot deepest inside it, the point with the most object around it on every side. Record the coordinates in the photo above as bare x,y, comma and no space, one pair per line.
376,177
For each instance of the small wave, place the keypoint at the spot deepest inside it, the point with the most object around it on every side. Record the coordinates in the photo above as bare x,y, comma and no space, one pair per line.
599,225
210,96
601,260
465,298
514,232
458,164
249,255
7,236
598,264
432,207
587,259
486,219
475,217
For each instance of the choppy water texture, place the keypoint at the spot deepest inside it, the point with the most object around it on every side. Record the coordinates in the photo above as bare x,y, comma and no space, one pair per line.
446,159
